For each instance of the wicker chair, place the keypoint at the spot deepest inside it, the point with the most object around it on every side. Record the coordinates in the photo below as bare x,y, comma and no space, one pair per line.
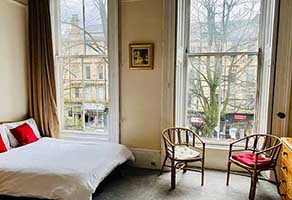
182,146
255,153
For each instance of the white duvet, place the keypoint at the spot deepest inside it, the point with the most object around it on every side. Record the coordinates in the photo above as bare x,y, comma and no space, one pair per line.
59,169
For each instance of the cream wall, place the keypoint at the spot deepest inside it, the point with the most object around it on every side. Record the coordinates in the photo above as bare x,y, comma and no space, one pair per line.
140,90
13,61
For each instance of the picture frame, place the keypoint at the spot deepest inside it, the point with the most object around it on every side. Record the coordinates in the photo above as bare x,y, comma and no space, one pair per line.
141,56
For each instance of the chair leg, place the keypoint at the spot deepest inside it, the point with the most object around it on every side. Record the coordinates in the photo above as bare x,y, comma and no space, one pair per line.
162,167
277,180
184,170
203,172
228,173
253,185
173,173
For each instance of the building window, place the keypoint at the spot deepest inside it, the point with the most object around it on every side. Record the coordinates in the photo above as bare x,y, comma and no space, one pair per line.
101,73
70,113
101,93
77,93
87,72
84,46
88,94
218,60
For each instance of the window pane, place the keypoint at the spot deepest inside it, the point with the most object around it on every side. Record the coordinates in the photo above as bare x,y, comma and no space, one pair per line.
89,93
72,80
95,117
73,116
72,93
72,32
221,95
96,27
224,25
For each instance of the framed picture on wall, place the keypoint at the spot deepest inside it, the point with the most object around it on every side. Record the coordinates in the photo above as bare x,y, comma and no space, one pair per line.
141,55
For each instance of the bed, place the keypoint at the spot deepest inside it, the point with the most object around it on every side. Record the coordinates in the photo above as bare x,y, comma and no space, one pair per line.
59,169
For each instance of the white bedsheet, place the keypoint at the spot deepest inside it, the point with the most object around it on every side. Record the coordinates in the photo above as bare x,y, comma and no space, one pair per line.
59,169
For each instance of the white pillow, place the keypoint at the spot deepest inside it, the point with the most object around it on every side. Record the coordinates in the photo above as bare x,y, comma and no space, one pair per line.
30,122
3,132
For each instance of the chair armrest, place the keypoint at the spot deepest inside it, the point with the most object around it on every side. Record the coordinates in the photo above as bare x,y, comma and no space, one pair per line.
197,136
169,146
203,147
168,142
201,141
268,149
239,140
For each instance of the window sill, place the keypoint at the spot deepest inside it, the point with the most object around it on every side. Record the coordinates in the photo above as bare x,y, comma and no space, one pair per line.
219,144
85,136
76,132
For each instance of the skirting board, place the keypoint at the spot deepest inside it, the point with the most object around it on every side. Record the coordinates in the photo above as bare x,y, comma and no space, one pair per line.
146,158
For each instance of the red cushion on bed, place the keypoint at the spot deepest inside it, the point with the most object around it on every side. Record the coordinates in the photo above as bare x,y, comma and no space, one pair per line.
24,134
250,158
3,148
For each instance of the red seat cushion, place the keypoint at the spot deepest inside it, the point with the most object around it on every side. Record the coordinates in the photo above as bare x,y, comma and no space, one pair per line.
24,134
250,159
3,148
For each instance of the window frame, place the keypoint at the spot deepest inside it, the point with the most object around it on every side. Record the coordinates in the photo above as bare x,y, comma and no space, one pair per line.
112,133
184,54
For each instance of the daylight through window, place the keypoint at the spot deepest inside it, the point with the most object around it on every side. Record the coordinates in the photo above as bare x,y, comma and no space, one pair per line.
221,67
83,60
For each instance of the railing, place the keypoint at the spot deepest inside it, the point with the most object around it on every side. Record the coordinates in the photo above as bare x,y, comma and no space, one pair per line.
251,53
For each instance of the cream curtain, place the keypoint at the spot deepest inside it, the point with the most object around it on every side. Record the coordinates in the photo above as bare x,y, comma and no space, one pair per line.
42,85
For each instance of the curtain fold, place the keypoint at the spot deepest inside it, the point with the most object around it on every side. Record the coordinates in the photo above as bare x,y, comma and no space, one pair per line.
42,84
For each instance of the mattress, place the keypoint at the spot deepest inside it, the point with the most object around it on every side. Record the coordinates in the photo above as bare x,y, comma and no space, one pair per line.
59,169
